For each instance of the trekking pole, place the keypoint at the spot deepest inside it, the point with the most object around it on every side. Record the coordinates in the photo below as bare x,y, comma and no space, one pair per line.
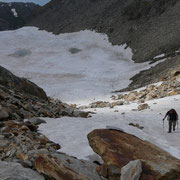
177,125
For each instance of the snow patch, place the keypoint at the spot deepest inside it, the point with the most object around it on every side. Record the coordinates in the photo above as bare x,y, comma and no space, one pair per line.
14,12
159,56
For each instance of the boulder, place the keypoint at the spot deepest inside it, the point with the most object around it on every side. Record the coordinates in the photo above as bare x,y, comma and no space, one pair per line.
36,121
87,168
80,114
132,96
143,106
132,171
14,171
53,168
117,149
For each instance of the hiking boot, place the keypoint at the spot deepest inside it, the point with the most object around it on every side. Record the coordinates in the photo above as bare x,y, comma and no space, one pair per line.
169,131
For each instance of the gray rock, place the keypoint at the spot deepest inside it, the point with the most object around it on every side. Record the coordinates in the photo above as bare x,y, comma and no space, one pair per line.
80,114
86,168
4,115
66,112
14,171
36,121
132,171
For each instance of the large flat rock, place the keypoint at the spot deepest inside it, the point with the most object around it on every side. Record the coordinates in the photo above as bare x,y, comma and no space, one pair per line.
118,148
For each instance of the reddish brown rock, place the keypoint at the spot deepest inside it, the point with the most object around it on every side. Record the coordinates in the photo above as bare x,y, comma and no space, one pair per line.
22,156
176,92
118,148
54,169
143,106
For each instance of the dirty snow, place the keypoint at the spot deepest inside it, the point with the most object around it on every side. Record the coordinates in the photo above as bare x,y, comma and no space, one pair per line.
90,73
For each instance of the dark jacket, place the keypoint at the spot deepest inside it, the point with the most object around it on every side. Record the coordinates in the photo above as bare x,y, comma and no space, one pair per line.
173,116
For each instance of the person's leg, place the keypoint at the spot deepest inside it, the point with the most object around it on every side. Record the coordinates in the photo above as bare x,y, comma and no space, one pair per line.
174,125
170,126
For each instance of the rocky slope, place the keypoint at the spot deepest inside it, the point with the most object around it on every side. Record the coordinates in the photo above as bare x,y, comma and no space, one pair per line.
26,151
23,149
31,155
168,86
20,99
15,15
22,85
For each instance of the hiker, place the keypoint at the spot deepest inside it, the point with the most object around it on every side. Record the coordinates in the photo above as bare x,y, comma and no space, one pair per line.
172,118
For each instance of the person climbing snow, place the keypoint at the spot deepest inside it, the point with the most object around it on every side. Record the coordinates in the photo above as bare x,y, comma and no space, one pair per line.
172,118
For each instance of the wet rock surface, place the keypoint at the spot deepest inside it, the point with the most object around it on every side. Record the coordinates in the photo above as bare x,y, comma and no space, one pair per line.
117,149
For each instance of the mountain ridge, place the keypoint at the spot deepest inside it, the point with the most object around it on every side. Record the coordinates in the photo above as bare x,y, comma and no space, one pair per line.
14,15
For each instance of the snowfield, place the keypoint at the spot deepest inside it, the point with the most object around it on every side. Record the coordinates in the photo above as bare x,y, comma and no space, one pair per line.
71,133
74,67
81,68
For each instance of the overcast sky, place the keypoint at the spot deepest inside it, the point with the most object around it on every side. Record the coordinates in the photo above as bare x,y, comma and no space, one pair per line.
41,2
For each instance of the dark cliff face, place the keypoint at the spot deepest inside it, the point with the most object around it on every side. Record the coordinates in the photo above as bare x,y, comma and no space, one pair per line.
149,27
22,85
15,15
